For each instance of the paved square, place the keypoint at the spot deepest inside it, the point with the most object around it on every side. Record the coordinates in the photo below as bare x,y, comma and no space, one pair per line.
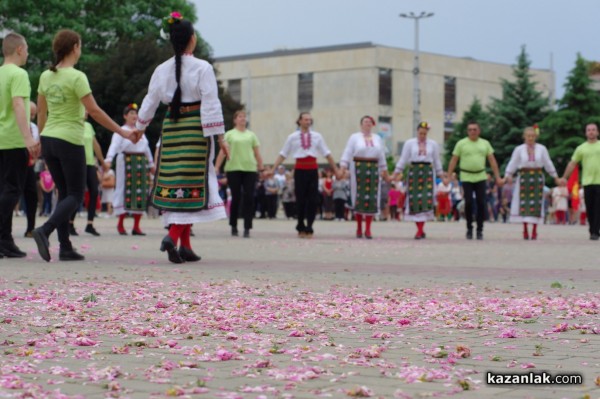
275,316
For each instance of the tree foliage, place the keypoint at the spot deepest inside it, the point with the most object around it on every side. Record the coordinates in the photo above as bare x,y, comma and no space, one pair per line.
101,23
521,105
563,130
120,43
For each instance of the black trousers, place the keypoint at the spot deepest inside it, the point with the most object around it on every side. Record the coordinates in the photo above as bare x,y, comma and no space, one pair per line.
242,186
66,163
271,200
30,196
13,171
479,189
340,207
91,182
306,184
592,207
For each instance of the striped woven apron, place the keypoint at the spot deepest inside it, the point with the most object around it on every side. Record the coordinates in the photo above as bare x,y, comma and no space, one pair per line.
419,183
181,183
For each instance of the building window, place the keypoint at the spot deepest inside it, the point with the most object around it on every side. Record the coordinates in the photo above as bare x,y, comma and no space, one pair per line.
305,91
449,104
385,86
234,88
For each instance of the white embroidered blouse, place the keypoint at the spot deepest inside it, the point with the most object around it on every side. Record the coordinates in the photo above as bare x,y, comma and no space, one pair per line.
311,144
198,83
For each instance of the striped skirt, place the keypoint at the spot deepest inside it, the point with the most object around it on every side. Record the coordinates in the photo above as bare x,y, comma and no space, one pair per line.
181,183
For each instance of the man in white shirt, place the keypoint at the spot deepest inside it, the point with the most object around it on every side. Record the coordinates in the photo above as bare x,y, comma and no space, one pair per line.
305,145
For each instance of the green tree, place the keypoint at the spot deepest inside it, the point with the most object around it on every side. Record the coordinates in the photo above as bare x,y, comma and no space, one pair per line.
475,113
563,130
521,105
101,24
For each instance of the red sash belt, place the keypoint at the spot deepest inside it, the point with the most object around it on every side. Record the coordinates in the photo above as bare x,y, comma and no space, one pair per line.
306,163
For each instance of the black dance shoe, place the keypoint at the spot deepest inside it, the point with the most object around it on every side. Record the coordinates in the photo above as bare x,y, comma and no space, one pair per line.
10,249
91,230
41,240
168,245
69,255
188,255
137,233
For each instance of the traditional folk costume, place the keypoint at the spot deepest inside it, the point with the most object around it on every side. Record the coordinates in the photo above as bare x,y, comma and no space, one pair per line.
131,191
364,156
444,207
422,158
186,187
527,205
305,147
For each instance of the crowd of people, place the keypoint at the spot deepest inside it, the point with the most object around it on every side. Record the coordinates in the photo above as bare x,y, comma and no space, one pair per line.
200,173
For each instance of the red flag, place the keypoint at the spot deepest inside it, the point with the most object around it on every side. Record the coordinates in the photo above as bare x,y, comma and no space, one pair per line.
573,184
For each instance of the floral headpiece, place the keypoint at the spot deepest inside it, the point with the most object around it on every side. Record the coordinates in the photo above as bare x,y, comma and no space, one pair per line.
167,21
536,129
424,125
130,107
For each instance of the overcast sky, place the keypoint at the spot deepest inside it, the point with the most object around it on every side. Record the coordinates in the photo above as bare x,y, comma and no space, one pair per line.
489,30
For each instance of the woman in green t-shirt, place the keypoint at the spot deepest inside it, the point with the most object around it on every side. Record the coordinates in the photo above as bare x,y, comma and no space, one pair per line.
244,160
64,95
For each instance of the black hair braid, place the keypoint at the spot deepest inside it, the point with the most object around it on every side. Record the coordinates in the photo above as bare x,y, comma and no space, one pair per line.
180,34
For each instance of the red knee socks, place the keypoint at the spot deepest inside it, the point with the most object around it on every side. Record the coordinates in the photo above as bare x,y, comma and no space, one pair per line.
525,232
175,232
185,236
368,220
358,225
420,226
120,226
534,232
136,222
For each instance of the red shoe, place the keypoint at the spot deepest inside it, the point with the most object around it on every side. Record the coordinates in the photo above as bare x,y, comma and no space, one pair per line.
534,235
526,235
121,231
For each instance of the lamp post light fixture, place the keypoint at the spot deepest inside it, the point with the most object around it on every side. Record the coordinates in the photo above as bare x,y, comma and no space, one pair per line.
416,71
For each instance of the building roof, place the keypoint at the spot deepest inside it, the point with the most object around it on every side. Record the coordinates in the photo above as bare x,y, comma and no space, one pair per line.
338,47
308,50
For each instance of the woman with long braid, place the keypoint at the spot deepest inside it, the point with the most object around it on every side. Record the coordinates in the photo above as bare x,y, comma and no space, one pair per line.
186,186
64,95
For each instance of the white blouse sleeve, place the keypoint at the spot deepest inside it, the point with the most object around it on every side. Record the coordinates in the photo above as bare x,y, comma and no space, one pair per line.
437,162
116,143
382,160
548,165
150,103
348,153
513,164
148,154
404,157
287,146
322,147
211,113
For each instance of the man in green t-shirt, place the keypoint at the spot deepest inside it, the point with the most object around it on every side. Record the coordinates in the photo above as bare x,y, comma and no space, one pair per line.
16,142
472,152
588,154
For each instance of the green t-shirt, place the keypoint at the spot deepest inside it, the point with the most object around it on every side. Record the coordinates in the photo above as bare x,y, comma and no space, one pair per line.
14,82
589,156
88,143
241,151
473,155
63,90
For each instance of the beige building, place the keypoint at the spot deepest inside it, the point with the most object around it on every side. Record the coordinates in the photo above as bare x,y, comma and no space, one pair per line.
340,84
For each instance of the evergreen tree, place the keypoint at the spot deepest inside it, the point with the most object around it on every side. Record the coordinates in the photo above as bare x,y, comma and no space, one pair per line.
563,130
521,105
475,113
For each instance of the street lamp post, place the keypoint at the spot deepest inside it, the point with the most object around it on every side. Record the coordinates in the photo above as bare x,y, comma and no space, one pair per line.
416,71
